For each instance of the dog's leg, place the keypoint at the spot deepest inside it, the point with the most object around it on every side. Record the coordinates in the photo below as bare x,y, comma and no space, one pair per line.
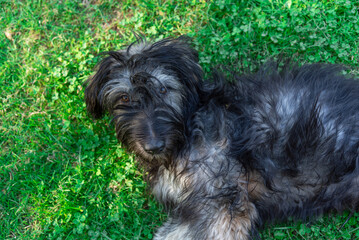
209,220
173,230
236,225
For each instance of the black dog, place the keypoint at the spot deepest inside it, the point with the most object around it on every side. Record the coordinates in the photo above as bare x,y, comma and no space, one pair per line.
225,158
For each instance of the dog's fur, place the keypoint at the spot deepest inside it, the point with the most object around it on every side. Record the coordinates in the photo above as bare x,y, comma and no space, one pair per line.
225,158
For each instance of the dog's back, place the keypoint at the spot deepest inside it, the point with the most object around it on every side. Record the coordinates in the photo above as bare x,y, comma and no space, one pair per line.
303,138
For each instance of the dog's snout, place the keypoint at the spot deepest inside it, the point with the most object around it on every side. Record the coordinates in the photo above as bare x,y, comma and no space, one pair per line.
154,146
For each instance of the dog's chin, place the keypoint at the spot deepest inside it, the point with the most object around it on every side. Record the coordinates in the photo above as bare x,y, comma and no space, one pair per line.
154,159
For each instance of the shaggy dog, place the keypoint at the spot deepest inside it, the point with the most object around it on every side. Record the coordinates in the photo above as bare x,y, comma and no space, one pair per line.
224,158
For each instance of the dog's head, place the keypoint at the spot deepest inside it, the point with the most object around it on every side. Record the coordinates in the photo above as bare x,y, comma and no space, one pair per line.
150,89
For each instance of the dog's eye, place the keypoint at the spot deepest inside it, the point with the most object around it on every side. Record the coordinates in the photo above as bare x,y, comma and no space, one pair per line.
163,90
125,98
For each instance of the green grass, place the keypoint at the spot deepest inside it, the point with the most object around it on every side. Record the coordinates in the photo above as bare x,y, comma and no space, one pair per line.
64,176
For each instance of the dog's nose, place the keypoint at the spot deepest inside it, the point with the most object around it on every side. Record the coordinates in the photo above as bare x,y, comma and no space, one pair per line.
154,146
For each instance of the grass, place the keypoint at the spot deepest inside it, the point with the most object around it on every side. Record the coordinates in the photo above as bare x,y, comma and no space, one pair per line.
64,176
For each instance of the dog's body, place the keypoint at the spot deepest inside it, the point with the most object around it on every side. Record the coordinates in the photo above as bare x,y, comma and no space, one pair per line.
225,158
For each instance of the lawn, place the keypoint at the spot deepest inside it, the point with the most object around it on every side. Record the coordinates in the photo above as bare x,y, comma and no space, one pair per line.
63,175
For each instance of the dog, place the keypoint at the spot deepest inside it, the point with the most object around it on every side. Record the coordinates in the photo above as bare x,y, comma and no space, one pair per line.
226,156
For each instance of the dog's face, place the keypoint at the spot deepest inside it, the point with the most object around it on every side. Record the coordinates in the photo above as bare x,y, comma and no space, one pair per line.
150,89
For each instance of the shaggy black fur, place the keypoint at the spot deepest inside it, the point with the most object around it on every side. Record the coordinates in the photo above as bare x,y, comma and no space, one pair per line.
225,158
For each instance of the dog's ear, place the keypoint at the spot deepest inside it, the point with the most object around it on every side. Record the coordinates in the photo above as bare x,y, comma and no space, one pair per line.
95,83
190,60
178,55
